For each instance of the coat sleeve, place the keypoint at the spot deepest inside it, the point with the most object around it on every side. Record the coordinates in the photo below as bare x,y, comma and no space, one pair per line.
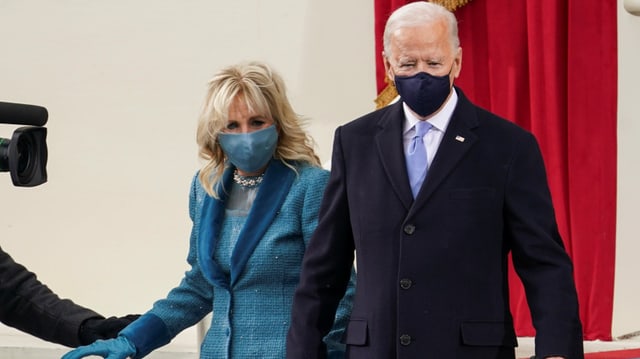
539,256
190,301
327,283
185,304
334,339
30,306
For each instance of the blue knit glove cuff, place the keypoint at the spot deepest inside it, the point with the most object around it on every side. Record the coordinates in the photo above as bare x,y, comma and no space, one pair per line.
147,333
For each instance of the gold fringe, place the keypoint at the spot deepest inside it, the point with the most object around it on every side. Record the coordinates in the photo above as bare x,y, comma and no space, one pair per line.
452,5
386,96
389,93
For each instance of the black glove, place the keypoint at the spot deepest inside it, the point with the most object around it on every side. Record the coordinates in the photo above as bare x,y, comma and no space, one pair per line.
93,329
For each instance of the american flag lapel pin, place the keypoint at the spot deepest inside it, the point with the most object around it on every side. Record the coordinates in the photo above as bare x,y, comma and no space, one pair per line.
459,138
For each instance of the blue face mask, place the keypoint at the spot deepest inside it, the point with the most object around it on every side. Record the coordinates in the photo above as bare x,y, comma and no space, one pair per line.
251,151
422,92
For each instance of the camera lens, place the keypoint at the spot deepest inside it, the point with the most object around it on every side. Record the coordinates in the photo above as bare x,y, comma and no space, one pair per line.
26,151
4,154
21,156
25,156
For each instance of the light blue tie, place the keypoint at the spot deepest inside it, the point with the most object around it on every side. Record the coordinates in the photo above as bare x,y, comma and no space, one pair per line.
416,157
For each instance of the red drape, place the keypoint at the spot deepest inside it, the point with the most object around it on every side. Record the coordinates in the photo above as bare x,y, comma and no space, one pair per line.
383,8
551,67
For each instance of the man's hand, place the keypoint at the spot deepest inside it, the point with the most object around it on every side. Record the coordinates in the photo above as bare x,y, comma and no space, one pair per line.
100,328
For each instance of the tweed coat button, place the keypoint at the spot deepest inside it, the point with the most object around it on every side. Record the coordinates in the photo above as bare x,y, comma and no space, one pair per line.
405,339
405,283
409,229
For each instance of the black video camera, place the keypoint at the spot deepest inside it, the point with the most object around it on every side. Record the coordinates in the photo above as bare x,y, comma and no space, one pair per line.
25,154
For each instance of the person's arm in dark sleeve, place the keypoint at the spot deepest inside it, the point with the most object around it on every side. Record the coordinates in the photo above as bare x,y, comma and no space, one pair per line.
30,306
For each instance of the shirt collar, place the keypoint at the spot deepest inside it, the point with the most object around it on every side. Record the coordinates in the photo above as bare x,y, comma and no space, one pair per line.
439,121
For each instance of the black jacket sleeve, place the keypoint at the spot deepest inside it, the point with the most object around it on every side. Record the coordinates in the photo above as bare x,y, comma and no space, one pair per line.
30,306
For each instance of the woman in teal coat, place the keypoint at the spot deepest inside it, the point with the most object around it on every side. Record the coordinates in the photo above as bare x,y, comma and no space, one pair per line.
254,206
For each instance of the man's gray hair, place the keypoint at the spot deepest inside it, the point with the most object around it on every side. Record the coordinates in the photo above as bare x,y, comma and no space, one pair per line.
419,13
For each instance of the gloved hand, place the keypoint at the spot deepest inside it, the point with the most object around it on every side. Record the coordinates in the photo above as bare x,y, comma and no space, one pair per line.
93,329
118,348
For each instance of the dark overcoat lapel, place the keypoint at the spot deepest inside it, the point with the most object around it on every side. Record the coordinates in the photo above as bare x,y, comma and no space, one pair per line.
391,151
456,141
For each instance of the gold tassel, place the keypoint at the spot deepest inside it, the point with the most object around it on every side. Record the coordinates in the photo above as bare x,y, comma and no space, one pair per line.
386,96
389,92
452,5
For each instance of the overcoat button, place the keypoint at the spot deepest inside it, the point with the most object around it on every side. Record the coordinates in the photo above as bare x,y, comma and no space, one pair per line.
405,283
409,229
405,339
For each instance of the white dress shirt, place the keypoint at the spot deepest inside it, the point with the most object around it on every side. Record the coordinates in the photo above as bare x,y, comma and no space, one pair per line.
439,121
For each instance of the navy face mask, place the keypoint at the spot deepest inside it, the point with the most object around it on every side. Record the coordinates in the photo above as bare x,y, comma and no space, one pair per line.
250,151
422,92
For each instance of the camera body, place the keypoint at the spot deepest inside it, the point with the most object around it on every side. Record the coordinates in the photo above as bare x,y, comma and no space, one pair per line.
24,156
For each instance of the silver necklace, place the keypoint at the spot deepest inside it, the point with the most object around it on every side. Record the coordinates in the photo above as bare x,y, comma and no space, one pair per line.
247,181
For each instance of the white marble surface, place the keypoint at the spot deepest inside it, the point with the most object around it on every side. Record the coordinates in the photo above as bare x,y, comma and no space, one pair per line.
17,345
526,347
43,353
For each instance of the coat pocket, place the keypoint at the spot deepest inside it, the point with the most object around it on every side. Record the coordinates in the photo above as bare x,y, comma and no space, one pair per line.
488,334
472,200
357,332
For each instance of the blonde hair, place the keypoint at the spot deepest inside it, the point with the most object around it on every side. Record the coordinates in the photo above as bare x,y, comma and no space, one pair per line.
264,92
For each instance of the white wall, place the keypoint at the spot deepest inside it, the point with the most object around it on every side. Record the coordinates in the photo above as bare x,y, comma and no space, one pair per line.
123,82
626,314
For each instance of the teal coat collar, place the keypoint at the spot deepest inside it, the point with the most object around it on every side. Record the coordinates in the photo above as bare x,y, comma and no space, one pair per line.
274,188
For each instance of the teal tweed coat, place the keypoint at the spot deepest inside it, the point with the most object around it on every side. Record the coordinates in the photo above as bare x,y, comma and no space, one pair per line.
251,302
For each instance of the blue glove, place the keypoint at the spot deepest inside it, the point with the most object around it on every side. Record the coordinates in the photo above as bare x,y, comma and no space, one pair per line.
118,348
